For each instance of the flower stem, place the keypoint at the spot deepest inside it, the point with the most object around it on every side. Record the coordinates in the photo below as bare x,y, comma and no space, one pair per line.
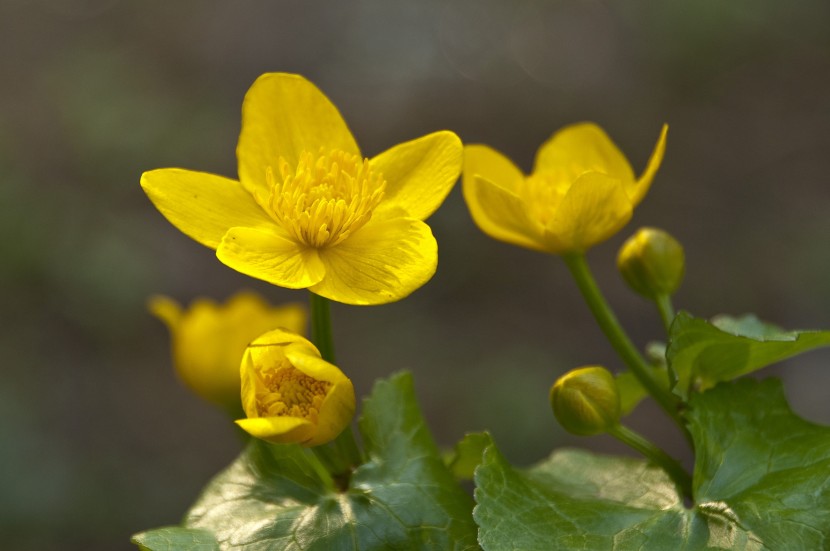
675,470
666,309
619,339
342,454
321,327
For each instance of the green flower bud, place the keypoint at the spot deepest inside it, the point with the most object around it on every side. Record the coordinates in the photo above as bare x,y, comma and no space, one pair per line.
586,401
652,263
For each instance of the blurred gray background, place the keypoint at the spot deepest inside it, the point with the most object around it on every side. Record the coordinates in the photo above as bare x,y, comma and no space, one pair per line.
98,439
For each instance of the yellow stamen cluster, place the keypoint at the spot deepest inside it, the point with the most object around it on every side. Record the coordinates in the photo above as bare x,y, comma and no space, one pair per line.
291,393
542,193
325,198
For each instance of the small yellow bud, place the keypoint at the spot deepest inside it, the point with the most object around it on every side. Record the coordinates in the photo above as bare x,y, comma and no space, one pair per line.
290,394
652,263
586,401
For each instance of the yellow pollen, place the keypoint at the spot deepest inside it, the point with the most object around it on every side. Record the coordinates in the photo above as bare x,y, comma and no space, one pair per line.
325,198
291,393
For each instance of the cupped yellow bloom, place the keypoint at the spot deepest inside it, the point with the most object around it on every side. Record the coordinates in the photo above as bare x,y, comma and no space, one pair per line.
209,339
290,394
308,210
581,192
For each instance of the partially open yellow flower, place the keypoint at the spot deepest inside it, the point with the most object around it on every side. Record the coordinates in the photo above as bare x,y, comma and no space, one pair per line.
309,211
290,394
208,339
582,191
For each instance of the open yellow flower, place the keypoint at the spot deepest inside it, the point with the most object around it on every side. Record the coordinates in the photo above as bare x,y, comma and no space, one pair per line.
208,339
309,211
581,192
290,394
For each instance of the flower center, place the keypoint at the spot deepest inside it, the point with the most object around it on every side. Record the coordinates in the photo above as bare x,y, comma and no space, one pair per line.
325,198
542,192
291,393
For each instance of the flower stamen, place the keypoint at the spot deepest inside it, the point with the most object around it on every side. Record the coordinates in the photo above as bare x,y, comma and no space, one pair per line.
287,391
325,198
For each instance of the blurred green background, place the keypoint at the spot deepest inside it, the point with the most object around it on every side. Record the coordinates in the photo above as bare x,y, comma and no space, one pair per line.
98,439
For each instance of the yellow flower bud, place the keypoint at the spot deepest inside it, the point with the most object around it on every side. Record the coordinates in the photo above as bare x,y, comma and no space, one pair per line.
652,263
290,394
208,339
586,401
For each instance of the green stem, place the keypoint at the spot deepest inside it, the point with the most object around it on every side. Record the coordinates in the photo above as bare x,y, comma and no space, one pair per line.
675,470
321,327
342,454
619,339
666,309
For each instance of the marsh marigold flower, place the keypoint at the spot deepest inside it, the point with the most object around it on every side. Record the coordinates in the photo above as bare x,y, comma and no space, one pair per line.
582,191
208,339
290,394
309,211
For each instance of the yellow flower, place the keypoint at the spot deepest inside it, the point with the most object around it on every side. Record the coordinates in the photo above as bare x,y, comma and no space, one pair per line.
290,394
582,191
208,339
309,211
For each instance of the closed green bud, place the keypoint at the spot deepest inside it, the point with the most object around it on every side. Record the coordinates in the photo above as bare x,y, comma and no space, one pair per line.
652,262
586,401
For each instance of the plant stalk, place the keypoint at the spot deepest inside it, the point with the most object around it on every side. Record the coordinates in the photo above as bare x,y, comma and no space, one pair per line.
675,470
619,339
342,454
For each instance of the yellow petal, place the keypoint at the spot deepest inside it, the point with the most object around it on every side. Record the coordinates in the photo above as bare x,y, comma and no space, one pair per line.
203,206
641,187
270,257
580,148
336,412
279,430
501,214
419,174
484,161
313,365
167,310
283,115
385,261
595,208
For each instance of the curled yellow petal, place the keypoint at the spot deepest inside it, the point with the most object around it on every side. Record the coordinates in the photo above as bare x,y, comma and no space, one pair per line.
290,394
642,185
167,310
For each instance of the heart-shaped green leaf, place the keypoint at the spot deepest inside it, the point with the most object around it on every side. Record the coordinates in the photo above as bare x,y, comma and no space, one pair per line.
761,482
404,497
703,353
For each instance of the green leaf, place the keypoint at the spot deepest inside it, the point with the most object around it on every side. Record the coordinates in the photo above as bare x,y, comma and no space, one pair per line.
175,538
768,466
703,354
467,455
761,482
404,497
